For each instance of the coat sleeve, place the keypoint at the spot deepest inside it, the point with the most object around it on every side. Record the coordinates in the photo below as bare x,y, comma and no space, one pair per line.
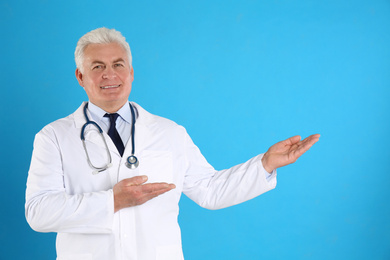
49,208
213,189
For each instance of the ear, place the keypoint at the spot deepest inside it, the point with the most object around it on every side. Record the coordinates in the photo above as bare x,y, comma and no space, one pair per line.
132,73
79,77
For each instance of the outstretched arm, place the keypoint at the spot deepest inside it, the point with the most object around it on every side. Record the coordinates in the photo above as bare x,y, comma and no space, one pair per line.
287,151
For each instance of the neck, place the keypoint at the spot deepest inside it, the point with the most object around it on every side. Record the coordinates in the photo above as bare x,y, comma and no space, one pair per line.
110,107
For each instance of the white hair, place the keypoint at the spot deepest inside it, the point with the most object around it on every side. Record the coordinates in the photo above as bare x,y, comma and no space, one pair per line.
99,36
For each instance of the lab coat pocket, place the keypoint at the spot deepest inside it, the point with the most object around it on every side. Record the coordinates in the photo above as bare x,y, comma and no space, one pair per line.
172,252
75,257
157,165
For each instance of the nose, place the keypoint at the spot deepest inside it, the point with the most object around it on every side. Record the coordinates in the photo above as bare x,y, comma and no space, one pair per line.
109,73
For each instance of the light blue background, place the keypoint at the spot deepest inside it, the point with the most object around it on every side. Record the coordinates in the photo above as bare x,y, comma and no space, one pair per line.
240,76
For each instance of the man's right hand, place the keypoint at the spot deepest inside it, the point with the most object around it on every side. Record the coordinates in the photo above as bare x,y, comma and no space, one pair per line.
132,191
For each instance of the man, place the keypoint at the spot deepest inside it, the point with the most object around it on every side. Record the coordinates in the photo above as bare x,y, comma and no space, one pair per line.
101,208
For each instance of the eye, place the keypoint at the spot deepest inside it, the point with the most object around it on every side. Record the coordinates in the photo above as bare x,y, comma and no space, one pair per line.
97,67
118,65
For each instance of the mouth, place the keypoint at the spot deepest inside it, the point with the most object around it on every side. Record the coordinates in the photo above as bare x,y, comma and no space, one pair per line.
108,87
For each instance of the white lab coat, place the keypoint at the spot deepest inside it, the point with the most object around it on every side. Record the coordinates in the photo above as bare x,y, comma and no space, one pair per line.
64,196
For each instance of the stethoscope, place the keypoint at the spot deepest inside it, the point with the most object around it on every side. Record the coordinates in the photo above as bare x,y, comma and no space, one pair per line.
131,161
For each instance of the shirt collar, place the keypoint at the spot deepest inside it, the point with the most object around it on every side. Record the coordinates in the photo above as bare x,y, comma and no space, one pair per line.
98,114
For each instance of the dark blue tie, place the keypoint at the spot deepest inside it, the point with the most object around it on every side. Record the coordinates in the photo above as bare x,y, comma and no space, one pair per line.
113,133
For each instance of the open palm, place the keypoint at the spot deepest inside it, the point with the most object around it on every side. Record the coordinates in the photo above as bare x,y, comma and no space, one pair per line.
287,151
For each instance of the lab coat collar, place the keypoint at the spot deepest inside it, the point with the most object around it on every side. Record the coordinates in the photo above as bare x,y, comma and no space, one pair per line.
143,117
142,129
79,117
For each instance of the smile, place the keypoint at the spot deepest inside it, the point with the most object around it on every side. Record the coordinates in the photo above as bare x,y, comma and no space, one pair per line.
107,87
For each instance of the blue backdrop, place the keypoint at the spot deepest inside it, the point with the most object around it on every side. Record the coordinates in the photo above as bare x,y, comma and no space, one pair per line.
240,76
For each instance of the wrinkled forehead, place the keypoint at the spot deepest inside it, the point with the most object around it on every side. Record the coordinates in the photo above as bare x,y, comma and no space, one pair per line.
105,53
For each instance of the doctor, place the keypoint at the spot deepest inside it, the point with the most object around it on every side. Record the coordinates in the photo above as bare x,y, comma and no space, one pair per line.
118,212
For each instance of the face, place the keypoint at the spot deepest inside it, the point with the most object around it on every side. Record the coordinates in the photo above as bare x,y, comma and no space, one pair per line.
107,75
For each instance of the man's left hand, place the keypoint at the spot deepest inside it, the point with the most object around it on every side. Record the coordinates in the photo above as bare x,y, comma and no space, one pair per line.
287,151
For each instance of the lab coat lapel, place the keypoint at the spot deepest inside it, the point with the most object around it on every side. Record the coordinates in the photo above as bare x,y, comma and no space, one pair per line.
93,136
142,137
143,129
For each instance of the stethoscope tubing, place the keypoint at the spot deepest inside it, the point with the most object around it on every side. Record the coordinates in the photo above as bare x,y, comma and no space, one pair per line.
131,161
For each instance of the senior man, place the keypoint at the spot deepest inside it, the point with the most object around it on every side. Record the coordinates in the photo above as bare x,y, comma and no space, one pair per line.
108,178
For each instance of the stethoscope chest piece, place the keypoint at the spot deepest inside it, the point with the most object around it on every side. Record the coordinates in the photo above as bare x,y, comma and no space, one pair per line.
132,162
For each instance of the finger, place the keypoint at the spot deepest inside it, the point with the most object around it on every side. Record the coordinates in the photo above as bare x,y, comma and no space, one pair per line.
306,144
316,136
137,180
149,196
152,191
311,139
159,192
292,140
156,187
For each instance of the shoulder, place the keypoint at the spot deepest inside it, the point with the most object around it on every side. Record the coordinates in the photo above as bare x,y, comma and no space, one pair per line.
156,122
149,119
62,125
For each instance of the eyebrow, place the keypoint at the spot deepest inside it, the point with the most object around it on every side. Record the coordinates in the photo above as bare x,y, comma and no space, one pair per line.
96,62
119,60
101,62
